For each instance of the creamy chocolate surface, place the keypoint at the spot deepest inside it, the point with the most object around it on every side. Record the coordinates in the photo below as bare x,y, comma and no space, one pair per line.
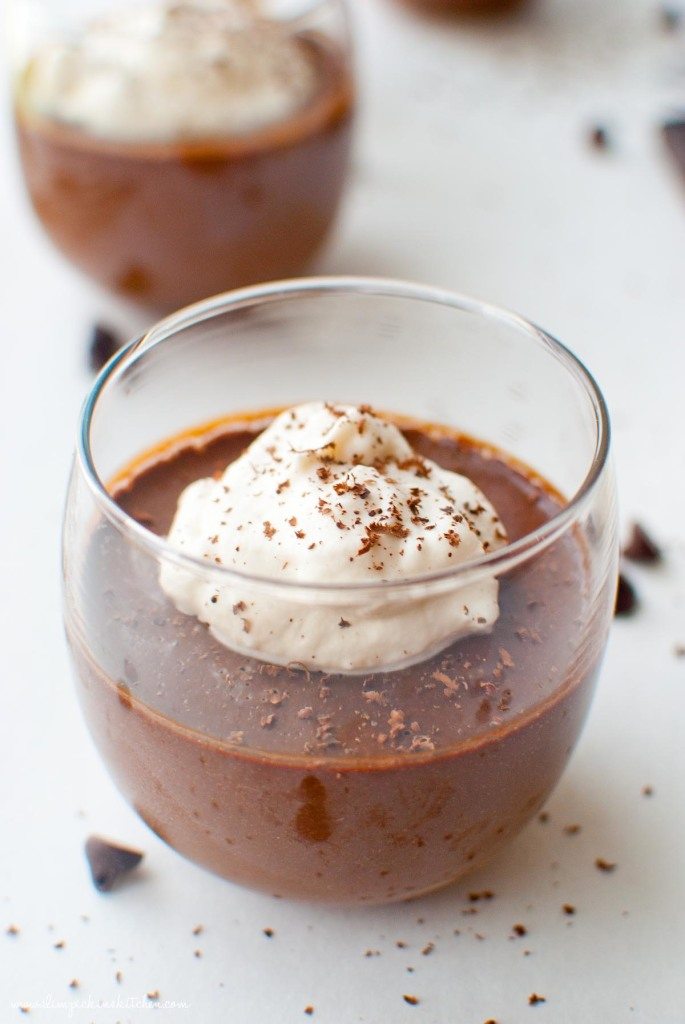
170,661
345,789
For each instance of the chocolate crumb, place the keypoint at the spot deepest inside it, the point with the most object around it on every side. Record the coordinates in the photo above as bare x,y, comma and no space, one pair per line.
74,983
572,830
543,817
605,865
400,944
153,996
674,136
626,598
197,953
12,929
428,949
59,945
103,344
118,977
109,862
269,932
309,1010
534,999
412,1000
519,929
24,1009
344,624
305,713
569,909
648,791
641,547
598,137
670,17
198,929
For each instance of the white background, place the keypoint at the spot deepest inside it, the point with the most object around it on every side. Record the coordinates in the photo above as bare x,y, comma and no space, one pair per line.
472,172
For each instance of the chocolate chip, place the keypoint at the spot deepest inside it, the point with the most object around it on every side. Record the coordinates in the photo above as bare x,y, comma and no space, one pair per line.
109,862
598,137
626,598
103,344
641,547
670,17
674,137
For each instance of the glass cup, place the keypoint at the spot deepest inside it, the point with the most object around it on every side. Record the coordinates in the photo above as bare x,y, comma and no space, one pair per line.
171,176
344,788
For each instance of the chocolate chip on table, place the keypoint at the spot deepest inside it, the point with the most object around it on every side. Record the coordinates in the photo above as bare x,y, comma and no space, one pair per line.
674,137
671,17
109,861
641,547
598,137
626,598
103,344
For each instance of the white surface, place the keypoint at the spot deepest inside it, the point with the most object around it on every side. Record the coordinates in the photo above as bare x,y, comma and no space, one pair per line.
472,172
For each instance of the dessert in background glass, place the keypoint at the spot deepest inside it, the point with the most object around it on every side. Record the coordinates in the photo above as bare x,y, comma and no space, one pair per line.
457,666
176,149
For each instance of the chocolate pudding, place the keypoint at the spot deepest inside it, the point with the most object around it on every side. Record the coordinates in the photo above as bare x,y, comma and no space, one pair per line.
319,785
225,170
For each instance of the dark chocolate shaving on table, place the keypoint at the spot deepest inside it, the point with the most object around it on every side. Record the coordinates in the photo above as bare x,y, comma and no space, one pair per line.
626,598
671,17
605,865
674,137
641,547
103,344
599,137
109,862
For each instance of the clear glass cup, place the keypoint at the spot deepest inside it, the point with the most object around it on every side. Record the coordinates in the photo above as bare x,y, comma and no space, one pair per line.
158,191
280,808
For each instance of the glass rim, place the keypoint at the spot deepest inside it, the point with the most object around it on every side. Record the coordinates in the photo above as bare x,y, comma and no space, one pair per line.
494,562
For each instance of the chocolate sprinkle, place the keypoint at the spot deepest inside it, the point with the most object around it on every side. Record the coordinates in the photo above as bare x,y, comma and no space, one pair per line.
641,547
109,862
674,136
626,598
670,17
103,344
598,137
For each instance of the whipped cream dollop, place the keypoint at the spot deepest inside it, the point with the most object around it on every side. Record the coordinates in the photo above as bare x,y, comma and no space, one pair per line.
162,71
334,494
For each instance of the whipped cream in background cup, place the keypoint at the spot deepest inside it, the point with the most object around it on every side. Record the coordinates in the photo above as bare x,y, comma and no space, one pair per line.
424,355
